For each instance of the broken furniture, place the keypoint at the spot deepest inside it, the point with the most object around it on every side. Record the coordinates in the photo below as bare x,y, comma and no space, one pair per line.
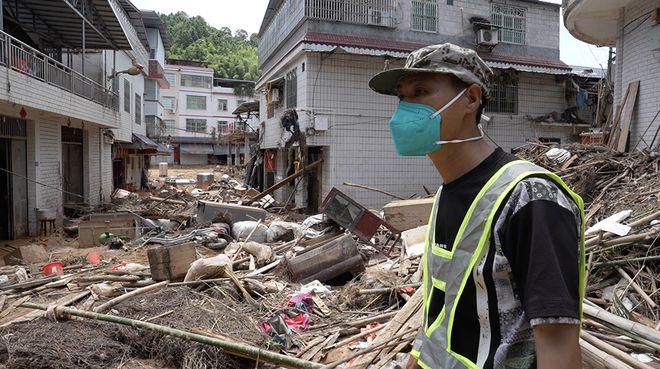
408,214
123,225
356,218
46,218
326,262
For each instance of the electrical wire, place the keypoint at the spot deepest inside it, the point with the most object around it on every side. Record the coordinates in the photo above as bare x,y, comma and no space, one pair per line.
45,185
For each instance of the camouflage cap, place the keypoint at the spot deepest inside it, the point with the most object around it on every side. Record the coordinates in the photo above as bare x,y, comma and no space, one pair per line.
446,58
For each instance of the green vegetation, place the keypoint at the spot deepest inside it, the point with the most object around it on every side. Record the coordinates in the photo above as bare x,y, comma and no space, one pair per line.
230,55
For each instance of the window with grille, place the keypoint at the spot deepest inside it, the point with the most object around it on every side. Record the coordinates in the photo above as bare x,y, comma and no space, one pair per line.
169,102
222,105
151,90
138,109
127,96
291,87
189,80
504,99
196,125
511,23
170,127
424,15
194,102
171,79
223,126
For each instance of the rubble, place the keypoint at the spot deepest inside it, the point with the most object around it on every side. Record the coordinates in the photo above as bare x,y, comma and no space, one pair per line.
236,283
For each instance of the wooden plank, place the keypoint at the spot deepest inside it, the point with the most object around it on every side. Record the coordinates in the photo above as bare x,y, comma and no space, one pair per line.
627,119
617,117
408,214
288,179
171,263
568,163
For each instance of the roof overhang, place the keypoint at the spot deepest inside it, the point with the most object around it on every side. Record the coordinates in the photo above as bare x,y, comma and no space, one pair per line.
594,21
151,19
196,149
247,107
60,22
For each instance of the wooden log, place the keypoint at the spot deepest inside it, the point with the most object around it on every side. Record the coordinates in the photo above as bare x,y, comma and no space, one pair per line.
354,265
117,300
627,119
326,256
408,214
171,263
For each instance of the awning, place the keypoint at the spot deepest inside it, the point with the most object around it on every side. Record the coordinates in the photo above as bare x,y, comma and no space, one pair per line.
163,149
527,68
197,149
354,50
140,142
247,107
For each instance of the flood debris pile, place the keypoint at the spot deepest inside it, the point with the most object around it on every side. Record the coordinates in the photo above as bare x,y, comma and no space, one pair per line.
216,278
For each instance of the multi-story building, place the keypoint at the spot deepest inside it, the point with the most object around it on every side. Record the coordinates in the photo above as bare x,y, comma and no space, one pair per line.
72,93
199,116
317,57
633,27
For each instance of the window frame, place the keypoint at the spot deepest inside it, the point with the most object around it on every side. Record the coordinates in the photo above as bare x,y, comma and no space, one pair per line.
424,19
501,14
168,98
197,123
196,81
188,105
173,81
127,96
291,89
499,102
138,109
170,129
225,104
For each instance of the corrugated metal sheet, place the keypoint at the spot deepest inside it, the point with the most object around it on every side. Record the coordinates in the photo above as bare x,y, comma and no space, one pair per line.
527,68
354,50
199,149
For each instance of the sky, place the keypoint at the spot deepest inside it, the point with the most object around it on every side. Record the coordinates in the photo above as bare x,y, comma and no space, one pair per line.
247,15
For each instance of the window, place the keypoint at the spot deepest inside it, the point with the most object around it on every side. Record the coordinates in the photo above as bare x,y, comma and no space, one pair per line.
504,98
138,109
196,102
511,23
170,127
151,90
239,102
222,105
189,80
127,96
450,2
171,79
291,87
223,125
424,15
196,125
169,102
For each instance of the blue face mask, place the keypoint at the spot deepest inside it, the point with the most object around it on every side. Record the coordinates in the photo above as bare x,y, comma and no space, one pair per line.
415,128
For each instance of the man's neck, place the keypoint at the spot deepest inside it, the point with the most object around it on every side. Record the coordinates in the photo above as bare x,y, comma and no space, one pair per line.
454,160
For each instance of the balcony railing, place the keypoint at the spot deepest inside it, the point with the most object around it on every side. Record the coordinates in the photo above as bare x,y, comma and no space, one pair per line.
373,12
21,57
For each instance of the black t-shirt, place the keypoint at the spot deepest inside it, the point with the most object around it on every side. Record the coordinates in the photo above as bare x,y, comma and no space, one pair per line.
539,239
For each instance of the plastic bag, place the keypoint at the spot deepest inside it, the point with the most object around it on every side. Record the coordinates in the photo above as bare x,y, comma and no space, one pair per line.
208,268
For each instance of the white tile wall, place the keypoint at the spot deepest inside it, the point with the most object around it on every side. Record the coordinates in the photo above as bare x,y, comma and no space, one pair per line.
49,168
636,61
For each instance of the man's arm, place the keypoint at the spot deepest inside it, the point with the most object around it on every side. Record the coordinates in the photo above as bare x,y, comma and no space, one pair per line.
557,346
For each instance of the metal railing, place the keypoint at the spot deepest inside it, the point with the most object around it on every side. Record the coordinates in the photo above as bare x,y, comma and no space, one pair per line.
371,12
22,58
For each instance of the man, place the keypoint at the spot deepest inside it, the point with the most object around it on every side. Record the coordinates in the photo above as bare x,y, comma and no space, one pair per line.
504,258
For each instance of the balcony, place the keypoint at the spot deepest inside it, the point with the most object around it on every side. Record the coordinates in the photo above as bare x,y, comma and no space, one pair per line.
593,21
20,57
373,13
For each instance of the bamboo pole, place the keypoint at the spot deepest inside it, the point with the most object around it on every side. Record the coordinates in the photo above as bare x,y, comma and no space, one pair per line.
104,307
636,287
600,359
373,189
627,261
386,290
624,326
246,351
606,347
356,337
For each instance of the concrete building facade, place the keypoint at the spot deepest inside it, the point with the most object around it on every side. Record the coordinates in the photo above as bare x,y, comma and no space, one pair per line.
317,57
198,113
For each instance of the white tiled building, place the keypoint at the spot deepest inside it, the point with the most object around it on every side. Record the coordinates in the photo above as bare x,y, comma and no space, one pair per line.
60,107
633,28
198,112
317,57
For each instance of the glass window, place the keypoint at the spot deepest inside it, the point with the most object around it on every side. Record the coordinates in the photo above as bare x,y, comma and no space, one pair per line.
170,127
196,102
138,109
504,99
171,78
223,125
196,125
510,20
151,89
189,80
222,105
127,96
169,102
424,15
291,87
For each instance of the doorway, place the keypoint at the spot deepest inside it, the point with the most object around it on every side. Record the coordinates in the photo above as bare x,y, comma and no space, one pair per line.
72,164
314,182
13,178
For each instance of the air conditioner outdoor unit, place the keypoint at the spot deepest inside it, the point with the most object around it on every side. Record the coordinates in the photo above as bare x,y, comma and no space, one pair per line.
487,37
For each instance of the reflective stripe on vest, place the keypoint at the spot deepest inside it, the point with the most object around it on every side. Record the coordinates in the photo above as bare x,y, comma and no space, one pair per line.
450,270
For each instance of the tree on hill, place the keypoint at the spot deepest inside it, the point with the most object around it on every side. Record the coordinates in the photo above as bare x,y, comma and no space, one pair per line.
230,54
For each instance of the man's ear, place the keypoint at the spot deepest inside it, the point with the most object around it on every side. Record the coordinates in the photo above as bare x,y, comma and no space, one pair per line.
473,93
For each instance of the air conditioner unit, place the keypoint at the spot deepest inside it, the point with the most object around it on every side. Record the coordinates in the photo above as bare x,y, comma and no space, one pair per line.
376,17
487,37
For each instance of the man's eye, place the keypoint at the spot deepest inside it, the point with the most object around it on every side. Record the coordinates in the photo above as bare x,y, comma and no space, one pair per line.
419,92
